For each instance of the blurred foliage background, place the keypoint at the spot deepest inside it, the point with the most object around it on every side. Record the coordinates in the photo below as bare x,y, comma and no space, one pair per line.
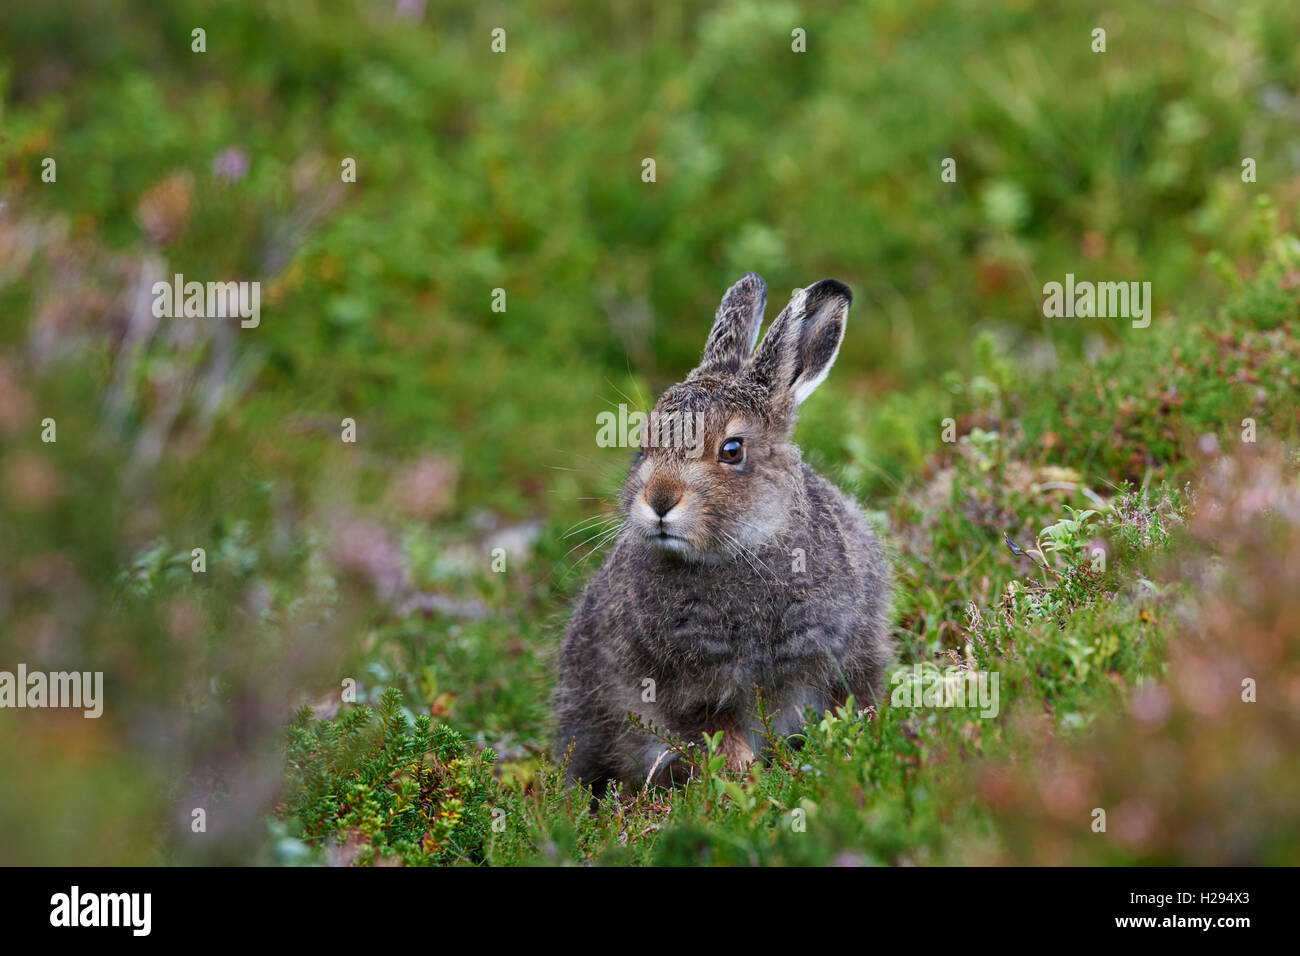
521,171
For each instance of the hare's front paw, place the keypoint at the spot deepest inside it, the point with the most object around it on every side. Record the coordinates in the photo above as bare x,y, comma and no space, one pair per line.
736,748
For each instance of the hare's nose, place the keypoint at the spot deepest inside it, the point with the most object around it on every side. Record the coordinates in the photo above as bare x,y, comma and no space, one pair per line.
662,499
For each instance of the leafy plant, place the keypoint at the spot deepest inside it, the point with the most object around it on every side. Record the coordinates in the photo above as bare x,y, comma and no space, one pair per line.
385,788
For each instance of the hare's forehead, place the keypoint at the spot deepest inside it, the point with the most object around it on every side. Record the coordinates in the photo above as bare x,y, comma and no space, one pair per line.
716,406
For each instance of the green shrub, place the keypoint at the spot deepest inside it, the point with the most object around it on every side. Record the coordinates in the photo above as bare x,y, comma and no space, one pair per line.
385,788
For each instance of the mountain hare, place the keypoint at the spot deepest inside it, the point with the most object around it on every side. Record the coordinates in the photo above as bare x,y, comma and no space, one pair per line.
737,565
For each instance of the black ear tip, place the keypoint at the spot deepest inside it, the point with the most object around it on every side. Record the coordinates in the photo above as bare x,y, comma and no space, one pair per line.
754,279
828,288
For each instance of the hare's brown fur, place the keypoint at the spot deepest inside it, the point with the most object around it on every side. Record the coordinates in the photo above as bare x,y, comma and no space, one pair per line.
727,575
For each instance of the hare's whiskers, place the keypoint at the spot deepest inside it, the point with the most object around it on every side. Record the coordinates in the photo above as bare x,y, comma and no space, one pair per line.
586,524
744,552
634,405
715,514
605,539
598,534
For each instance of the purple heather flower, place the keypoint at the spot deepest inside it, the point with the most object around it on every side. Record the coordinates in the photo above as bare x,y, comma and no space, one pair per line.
410,9
230,165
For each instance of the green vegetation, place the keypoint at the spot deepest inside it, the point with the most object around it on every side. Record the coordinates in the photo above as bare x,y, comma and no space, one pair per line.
1099,534
417,793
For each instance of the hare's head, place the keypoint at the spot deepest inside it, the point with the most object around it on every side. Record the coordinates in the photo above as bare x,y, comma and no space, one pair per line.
717,474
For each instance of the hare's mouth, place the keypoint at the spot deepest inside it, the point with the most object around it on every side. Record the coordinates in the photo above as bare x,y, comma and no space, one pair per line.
667,541
680,547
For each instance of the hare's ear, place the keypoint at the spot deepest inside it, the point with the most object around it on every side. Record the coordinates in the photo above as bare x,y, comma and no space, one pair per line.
800,346
735,329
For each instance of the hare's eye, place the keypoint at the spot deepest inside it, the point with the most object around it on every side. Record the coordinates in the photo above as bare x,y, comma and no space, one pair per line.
732,451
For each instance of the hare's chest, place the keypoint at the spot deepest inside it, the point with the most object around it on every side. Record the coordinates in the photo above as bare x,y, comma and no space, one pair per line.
709,629
707,655
717,632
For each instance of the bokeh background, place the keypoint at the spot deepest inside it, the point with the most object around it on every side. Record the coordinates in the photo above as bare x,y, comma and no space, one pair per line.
521,171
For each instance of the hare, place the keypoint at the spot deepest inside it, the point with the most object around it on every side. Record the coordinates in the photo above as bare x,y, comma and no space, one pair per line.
737,567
